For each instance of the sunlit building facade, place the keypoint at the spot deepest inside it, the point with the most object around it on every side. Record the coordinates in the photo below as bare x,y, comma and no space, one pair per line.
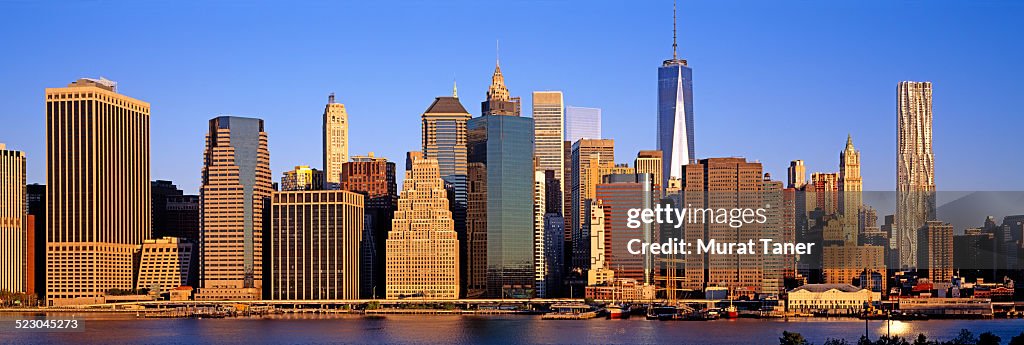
98,147
236,187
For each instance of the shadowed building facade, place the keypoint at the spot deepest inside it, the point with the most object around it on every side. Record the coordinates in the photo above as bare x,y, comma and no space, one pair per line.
374,178
98,194
175,214
315,240
236,188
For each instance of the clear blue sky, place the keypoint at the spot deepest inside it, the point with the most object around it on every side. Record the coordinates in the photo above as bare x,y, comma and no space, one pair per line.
773,81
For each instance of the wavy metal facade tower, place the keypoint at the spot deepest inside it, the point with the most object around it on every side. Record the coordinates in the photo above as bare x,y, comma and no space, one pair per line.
915,169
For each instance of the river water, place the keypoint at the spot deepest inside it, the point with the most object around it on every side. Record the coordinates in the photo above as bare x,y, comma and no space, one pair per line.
433,329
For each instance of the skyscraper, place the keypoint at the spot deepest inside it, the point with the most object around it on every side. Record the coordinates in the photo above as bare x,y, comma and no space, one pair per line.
422,247
374,177
444,139
797,174
619,193
14,257
97,147
315,245
474,253
850,191
589,158
675,112
540,264
554,245
935,250
547,132
915,168
36,196
723,183
582,123
236,187
504,145
335,141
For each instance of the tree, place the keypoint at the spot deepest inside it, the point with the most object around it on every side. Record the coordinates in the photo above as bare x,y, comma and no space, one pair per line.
923,340
988,338
792,338
1018,340
893,340
964,338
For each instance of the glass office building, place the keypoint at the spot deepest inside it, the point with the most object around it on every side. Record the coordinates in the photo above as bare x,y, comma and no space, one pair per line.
675,117
504,144
582,123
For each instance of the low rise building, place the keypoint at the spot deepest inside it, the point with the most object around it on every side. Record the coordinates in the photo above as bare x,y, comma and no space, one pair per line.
628,290
833,299
163,264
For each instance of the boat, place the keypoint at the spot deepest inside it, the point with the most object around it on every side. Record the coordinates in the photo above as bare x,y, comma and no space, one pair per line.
570,311
617,311
731,311
713,313
663,313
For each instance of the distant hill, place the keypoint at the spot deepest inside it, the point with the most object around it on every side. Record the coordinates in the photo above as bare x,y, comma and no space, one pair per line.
970,210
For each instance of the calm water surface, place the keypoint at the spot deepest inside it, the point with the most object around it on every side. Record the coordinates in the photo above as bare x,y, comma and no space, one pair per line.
125,329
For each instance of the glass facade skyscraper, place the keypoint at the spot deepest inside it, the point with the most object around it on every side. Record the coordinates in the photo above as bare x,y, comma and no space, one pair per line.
675,117
582,123
504,144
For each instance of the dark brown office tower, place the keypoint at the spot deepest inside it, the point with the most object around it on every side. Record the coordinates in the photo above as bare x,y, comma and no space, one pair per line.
30,254
552,193
36,196
935,250
619,193
174,213
723,183
567,195
475,256
374,177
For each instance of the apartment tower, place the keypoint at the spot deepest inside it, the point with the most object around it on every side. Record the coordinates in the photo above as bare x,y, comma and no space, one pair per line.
915,168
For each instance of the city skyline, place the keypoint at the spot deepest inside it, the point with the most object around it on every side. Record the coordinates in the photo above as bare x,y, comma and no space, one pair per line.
969,98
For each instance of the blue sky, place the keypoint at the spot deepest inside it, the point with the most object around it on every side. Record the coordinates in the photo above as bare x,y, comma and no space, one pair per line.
773,81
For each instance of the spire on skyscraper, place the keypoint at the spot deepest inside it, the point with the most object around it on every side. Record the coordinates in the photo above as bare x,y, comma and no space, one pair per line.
849,142
497,91
455,89
675,55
